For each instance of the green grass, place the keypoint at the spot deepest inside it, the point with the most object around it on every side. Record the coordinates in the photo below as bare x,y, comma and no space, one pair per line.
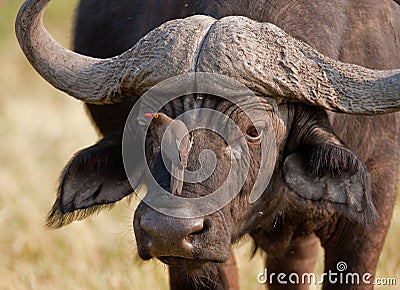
40,128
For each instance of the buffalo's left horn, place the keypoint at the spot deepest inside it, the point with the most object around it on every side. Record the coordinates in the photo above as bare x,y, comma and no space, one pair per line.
269,61
164,52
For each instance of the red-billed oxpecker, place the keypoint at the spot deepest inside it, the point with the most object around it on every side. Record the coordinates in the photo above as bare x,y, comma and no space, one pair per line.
175,142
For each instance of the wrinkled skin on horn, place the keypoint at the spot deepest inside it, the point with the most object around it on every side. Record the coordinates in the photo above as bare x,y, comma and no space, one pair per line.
300,73
111,80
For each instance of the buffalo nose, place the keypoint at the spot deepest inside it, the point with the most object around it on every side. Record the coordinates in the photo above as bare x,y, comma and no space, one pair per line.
170,236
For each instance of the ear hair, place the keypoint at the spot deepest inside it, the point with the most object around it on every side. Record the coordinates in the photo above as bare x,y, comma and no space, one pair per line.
328,159
57,219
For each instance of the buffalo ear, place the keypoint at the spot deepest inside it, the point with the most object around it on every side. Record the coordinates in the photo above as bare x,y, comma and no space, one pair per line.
93,179
334,176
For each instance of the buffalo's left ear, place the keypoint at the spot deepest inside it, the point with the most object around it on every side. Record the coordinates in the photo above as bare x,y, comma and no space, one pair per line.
331,174
93,179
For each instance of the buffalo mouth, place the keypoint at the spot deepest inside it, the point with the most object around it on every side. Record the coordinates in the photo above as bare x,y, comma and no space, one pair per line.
186,262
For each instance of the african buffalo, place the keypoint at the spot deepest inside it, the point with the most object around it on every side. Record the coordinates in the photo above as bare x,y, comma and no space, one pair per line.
336,133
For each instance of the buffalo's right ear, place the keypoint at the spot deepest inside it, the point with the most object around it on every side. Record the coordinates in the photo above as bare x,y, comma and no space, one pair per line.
93,179
333,176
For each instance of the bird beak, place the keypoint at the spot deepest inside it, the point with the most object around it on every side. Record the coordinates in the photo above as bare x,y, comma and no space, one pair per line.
177,181
151,116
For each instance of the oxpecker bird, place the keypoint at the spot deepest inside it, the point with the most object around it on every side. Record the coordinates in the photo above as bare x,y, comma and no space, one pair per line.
175,142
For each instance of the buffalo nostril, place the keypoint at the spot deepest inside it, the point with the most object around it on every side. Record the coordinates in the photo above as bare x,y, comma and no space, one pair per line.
146,227
200,228
145,236
146,231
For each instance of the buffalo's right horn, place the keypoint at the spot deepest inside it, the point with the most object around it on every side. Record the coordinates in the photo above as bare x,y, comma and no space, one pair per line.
164,52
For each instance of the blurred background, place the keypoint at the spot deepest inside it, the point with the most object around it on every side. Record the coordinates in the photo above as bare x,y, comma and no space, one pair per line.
40,129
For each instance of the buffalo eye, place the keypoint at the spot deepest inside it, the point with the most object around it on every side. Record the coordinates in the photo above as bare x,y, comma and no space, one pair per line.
254,133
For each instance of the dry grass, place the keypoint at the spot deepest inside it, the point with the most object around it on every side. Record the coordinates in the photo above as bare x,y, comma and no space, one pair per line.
40,128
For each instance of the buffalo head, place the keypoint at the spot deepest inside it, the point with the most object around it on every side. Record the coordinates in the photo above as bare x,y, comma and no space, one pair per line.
293,86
